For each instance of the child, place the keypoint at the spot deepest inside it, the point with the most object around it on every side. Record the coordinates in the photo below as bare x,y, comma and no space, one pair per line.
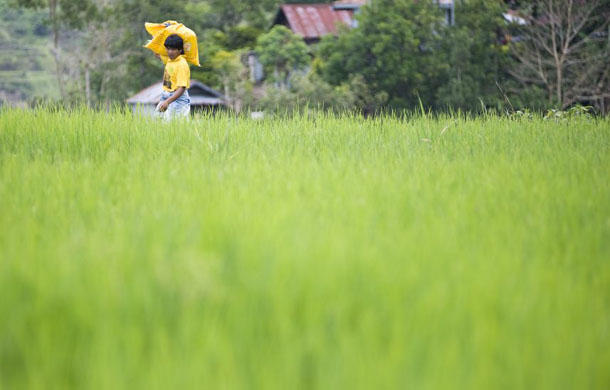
175,100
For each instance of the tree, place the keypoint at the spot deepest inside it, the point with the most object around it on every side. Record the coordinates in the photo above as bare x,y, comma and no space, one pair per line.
102,55
239,37
228,14
308,91
477,62
395,49
565,49
233,75
67,13
282,52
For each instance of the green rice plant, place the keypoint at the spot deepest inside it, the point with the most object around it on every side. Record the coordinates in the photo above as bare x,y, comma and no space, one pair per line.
303,252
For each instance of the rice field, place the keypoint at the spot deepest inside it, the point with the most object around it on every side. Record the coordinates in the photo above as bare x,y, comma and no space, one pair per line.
314,251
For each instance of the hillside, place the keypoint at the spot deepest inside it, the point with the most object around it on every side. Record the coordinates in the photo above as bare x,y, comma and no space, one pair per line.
26,61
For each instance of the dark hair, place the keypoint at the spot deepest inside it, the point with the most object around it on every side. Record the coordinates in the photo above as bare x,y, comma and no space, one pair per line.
174,42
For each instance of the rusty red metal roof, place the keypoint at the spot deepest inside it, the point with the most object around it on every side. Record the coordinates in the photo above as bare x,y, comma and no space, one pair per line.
312,21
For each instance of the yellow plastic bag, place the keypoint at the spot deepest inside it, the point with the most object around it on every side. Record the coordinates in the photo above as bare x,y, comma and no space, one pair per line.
160,31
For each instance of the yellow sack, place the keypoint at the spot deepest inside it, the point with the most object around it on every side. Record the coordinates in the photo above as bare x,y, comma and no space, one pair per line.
160,31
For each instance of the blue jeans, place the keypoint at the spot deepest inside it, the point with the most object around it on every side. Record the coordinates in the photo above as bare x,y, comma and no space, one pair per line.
179,108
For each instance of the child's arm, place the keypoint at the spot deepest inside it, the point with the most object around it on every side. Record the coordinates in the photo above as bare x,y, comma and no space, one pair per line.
163,106
161,57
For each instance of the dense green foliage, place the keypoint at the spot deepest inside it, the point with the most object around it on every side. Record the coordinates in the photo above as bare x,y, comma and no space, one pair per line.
402,53
282,52
311,252
406,50
25,71
476,61
394,48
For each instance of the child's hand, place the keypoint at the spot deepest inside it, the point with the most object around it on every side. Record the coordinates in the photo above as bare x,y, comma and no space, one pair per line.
163,106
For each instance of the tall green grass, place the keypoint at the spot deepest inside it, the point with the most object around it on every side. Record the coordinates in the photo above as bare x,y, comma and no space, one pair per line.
311,252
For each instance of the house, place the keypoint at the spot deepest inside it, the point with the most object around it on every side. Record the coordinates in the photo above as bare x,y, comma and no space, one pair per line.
202,98
313,21
310,21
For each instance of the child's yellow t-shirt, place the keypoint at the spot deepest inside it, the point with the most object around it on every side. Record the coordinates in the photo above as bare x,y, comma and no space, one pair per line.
177,74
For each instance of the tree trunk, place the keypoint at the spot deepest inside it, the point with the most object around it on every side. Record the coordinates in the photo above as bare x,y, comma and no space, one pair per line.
559,85
88,85
53,17
563,50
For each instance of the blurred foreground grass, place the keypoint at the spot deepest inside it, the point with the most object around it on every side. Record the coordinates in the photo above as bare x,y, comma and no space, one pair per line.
310,252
